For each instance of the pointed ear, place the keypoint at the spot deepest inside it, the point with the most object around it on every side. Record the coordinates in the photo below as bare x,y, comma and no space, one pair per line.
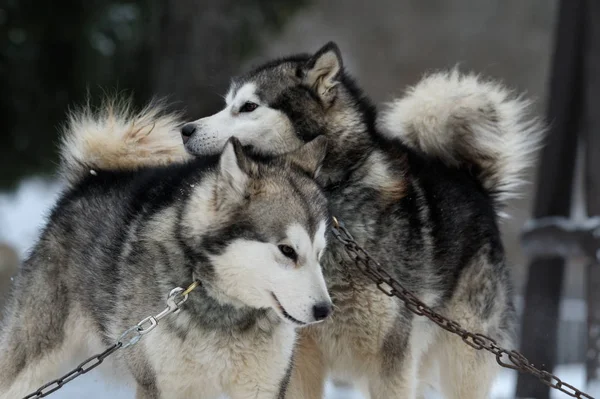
233,176
310,156
323,70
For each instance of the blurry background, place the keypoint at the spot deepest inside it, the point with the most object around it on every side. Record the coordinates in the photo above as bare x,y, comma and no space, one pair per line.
52,54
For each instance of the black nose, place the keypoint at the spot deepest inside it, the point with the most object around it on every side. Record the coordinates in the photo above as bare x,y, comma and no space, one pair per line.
321,310
187,131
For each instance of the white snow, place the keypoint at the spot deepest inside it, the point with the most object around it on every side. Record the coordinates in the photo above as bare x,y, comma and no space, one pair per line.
91,386
22,214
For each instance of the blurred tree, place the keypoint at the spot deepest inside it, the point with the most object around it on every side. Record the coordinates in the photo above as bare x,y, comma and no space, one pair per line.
38,52
52,54
202,44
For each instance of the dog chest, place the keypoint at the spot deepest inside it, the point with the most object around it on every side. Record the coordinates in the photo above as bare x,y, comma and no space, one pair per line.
214,362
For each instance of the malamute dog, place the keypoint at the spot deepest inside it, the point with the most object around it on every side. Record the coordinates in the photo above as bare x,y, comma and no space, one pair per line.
251,231
421,187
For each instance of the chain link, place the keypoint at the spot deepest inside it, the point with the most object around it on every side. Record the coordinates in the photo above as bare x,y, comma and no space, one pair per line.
130,337
511,359
83,368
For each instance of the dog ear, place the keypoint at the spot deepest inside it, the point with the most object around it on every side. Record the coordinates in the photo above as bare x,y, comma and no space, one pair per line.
323,70
234,172
310,156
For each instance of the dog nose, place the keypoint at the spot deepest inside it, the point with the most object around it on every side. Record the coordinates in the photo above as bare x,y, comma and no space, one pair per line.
187,130
321,310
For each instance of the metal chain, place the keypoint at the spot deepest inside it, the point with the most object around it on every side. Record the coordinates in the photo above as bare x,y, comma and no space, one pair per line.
83,368
176,298
511,359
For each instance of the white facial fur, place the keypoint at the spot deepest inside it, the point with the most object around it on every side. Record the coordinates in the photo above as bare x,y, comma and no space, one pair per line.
264,128
253,272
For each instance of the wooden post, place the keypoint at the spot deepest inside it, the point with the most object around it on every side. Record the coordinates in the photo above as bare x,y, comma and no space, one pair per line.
591,130
9,263
544,284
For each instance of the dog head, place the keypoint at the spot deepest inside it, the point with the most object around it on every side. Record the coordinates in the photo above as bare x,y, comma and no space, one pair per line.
264,231
283,104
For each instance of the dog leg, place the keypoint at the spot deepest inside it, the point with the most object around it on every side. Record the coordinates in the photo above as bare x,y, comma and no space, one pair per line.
146,392
465,373
309,371
40,334
402,383
28,376
257,393
31,357
395,374
479,304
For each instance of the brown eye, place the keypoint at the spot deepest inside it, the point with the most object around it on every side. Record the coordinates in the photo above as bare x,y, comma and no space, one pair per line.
248,107
288,251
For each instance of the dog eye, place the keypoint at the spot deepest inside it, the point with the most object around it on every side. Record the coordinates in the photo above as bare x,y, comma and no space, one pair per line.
248,107
288,251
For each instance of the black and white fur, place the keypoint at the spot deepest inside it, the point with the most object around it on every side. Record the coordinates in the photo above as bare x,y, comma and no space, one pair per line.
421,187
122,235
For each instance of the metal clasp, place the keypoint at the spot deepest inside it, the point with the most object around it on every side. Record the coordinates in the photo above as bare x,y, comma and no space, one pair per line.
175,299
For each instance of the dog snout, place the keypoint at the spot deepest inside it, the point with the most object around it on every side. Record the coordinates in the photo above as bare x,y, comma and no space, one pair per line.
322,310
187,130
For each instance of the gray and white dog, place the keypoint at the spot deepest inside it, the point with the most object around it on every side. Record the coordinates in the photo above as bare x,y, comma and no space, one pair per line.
252,231
421,187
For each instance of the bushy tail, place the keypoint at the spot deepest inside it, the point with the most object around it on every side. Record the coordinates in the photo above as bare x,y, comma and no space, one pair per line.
469,122
114,137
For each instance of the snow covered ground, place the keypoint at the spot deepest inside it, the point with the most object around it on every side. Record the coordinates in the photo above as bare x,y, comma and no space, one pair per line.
21,216
91,386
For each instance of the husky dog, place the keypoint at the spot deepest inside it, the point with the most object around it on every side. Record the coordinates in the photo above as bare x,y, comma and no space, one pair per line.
421,187
252,231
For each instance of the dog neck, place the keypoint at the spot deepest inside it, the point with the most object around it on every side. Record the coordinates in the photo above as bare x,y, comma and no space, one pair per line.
349,151
350,129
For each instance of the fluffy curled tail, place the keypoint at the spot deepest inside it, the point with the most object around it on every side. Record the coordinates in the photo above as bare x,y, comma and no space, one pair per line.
114,137
468,122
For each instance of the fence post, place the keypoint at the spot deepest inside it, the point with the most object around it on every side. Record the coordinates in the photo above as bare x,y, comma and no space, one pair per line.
591,130
555,180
